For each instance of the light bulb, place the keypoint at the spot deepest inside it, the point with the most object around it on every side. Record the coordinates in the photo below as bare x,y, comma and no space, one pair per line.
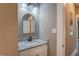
35,9
23,5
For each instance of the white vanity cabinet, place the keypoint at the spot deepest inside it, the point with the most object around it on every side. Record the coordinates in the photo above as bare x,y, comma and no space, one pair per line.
35,51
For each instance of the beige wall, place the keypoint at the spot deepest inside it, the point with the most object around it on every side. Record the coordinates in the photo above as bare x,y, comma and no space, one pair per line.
8,29
70,9
48,21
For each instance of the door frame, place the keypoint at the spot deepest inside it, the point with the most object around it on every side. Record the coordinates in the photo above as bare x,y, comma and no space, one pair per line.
60,29
77,16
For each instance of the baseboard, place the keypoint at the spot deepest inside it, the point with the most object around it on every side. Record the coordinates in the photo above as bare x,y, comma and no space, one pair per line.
74,52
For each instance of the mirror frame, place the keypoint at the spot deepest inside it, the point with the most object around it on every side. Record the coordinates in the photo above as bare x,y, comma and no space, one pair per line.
24,19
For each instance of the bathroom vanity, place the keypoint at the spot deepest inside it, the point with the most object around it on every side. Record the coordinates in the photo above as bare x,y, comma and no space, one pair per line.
36,47
30,44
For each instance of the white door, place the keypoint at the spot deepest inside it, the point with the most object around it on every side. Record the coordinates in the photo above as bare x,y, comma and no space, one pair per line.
60,30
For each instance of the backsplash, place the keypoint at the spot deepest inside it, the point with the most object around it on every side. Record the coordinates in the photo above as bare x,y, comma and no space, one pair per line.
34,36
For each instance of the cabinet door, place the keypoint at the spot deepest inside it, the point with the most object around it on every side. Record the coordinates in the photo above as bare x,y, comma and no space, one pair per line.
41,50
29,52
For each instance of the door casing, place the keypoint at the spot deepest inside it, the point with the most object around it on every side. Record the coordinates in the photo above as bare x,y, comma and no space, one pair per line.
60,30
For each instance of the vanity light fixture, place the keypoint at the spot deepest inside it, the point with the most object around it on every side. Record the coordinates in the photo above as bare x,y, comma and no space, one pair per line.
30,7
33,8
24,5
36,9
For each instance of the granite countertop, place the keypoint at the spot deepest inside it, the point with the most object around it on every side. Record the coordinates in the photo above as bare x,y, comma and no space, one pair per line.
30,44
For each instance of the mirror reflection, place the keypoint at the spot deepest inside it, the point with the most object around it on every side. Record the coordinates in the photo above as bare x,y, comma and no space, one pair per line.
28,24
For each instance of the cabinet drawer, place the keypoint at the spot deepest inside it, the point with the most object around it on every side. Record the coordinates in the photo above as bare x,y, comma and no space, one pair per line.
29,52
36,51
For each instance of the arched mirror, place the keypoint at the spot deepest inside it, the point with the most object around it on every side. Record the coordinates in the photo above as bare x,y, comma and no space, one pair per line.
28,24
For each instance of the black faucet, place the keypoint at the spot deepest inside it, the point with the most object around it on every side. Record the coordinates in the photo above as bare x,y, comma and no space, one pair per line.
30,38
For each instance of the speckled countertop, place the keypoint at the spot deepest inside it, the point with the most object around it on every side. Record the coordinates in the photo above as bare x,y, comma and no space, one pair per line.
27,45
